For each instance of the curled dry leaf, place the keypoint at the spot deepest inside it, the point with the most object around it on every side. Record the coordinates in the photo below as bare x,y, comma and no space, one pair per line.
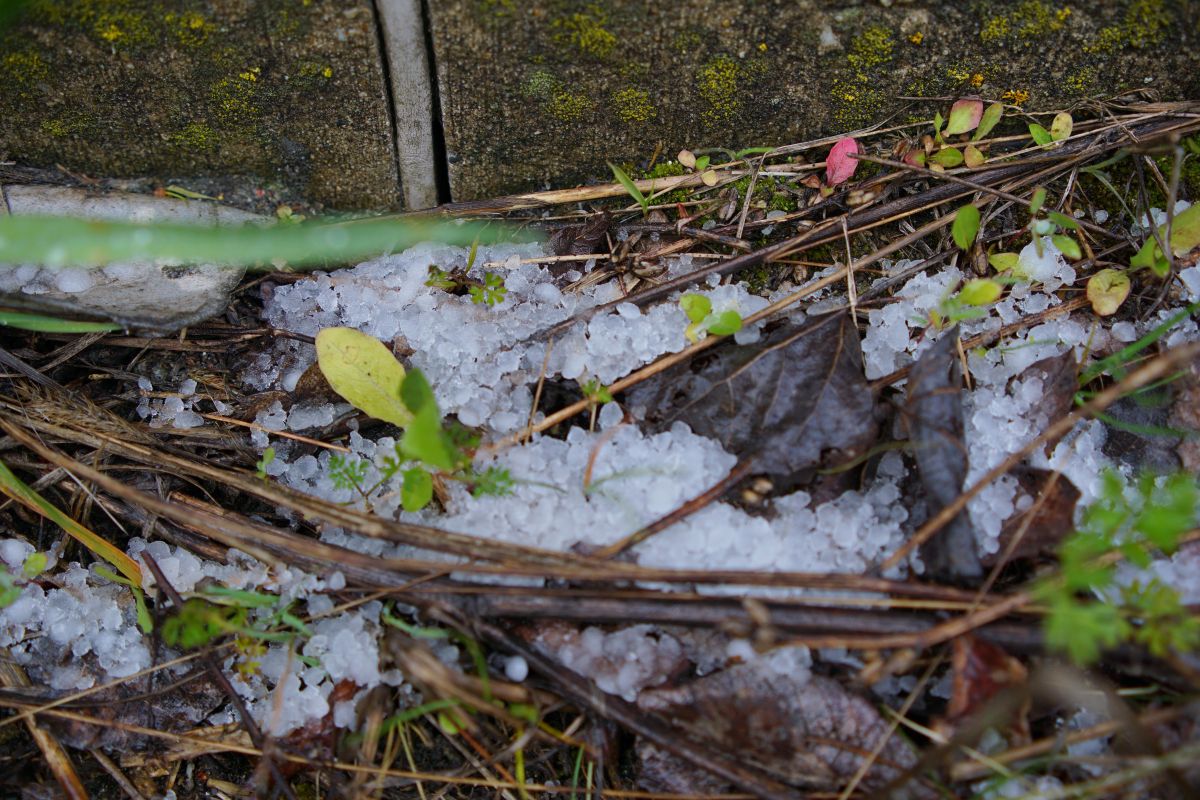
801,730
787,401
578,240
839,164
934,412
981,670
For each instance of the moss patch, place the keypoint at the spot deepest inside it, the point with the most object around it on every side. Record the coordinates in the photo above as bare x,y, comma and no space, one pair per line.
633,105
1145,23
586,32
717,87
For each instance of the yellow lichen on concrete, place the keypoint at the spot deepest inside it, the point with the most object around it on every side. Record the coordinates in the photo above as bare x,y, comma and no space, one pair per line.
586,31
23,67
1145,23
1030,18
717,86
633,105
856,96
195,136
871,48
568,107
234,97
190,29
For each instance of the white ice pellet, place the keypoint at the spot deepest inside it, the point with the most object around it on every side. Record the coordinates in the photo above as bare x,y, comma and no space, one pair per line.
73,280
516,669
13,552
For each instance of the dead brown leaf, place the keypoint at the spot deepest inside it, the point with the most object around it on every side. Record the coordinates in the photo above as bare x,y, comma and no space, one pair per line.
799,729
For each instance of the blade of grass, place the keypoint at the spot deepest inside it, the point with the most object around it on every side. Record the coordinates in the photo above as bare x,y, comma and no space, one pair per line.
68,241
15,488
630,187
1126,354
41,323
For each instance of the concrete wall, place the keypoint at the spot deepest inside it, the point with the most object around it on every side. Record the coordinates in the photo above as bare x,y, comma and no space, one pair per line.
332,101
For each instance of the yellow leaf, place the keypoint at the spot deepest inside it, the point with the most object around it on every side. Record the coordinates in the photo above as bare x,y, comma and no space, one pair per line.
1106,290
364,372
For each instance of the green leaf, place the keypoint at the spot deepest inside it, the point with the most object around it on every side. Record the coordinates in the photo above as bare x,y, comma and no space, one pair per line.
972,157
724,324
1169,512
1150,256
1084,630
35,564
417,489
1060,126
1037,201
991,116
1185,230
1062,220
1107,290
965,116
425,441
1003,262
965,227
15,488
630,186
937,123
980,292
1185,237
702,163
363,371
1041,136
1068,246
43,324
948,157
69,241
696,306
416,392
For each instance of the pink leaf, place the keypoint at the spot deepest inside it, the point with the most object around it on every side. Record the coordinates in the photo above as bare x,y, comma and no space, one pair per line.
839,166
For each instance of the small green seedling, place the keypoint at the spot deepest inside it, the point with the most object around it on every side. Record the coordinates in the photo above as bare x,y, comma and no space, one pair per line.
366,374
595,392
1138,522
965,116
260,466
1185,237
1060,129
491,293
698,309
698,164
965,227
1041,223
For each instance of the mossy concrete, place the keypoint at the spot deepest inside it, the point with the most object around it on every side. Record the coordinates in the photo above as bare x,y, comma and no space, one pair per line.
288,93
543,92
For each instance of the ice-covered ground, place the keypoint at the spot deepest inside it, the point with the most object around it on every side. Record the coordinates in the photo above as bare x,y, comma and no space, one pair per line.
592,488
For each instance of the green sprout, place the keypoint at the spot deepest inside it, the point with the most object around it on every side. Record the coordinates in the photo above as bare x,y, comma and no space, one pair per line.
1140,521
699,310
491,293
260,467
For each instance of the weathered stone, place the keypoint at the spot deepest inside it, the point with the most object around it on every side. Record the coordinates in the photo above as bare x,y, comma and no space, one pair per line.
288,92
144,295
546,91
